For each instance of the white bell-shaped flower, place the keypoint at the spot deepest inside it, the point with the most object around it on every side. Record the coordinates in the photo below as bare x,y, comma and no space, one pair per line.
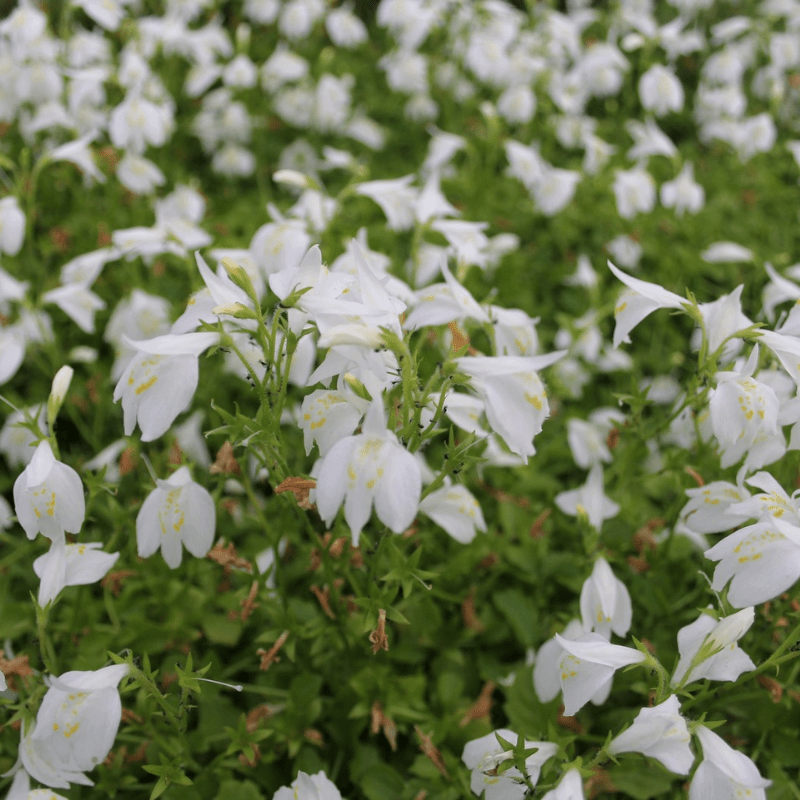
48,496
178,511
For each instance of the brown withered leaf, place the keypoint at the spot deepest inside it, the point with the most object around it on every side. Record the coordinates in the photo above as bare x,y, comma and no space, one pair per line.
299,487
225,462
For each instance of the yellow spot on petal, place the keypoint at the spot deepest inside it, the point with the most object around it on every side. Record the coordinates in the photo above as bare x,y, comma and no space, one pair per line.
143,387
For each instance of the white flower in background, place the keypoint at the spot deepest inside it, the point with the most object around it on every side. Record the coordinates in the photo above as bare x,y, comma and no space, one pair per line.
648,140
178,511
48,496
78,302
588,666
484,755
345,28
309,787
724,772
12,226
160,381
660,90
139,316
626,251
369,468
397,199
605,602
137,122
513,394
708,649
726,252
77,152
139,174
75,726
70,565
635,192
106,13
517,104
18,443
683,193
661,733
454,508
589,501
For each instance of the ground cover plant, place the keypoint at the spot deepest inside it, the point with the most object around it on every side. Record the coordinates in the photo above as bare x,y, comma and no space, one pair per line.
399,400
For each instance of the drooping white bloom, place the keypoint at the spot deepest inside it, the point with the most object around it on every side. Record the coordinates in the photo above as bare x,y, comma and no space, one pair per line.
455,509
709,507
397,199
328,415
605,602
660,90
588,666
743,410
513,395
722,252
641,299
547,668
570,788
160,381
661,733
12,226
683,193
635,192
708,648
483,756
724,772
309,787
75,727
139,174
589,500
177,511
760,560
369,468
48,496
70,565
78,302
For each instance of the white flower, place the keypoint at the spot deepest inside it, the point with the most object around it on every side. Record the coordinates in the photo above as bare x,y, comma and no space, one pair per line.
589,500
709,507
78,302
160,381
327,416
139,174
372,467
570,788
48,496
456,510
605,602
484,755
12,226
547,669
660,90
588,667
641,299
708,649
724,772
683,193
177,511
513,395
75,727
396,198
309,787
661,733
70,565
635,192
762,560
743,411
